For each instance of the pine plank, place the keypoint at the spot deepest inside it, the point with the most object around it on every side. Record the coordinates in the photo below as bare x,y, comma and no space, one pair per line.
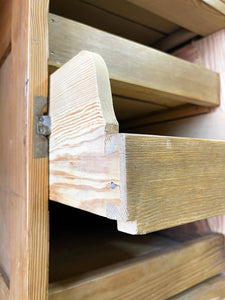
212,289
182,180
152,76
159,275
29,178
196,15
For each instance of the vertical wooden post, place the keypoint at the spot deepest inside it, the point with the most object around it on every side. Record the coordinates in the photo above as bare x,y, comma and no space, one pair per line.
29,180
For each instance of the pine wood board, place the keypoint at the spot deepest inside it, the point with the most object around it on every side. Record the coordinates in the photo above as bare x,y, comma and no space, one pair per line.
157,276
29,177
5,159
94,168
147,77
196,15
211,289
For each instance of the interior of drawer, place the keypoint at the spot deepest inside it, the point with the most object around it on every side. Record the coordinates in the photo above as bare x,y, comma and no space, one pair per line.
90,259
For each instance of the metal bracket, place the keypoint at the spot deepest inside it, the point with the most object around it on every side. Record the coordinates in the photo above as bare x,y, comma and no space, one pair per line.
44,125
41,127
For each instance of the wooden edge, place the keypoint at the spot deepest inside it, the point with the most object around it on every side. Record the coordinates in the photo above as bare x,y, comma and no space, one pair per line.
170,114
213,289
217,5
4,286
148,77
5,29
204,264
80,97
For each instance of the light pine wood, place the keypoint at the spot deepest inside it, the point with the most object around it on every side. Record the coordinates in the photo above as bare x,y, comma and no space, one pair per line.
5,28
152,76
5,158
94,168
82,165
195,15
28,189
212,289
159,275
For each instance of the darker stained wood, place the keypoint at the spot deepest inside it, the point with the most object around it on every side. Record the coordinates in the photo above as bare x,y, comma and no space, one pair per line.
5,28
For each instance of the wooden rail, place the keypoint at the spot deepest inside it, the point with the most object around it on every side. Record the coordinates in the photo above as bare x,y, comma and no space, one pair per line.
136,71
166,269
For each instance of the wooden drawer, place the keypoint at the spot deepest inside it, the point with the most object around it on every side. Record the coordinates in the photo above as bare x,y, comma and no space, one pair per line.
145,182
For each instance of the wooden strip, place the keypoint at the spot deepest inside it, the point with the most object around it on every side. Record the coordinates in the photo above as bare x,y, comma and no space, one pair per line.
217,4
127,109
148,77
5,160
208,52
211,289
92,15
4,290
162,116
136,14
5,28
29,176
182,180
196,15
177,38
156,276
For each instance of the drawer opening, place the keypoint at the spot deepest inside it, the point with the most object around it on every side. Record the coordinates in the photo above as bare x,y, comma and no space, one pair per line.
89,257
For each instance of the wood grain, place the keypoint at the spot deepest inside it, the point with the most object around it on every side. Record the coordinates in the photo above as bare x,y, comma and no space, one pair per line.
5,28
212,289
157,276
194,15
83,122
182,180
153,76
5,159
29,177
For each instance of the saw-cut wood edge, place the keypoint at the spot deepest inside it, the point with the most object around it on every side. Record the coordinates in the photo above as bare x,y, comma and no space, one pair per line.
84,144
